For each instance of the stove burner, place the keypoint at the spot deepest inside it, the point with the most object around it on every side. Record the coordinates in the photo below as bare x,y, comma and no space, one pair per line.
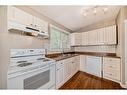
46,60
43,59
40,58
24,64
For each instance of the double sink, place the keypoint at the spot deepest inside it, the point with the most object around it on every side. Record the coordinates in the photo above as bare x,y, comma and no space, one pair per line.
64,56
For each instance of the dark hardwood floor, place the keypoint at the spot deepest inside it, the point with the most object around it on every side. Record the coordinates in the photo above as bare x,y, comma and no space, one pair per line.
82,80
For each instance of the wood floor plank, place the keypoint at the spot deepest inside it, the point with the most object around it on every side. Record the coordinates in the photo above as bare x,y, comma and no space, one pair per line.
82,80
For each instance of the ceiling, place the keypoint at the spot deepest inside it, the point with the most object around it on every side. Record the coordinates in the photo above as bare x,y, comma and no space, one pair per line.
71,17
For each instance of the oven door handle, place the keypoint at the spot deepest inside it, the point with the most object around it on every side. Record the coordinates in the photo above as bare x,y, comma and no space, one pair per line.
21,61
42,68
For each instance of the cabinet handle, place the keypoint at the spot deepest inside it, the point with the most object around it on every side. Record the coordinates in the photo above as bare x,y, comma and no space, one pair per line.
110,59
110,66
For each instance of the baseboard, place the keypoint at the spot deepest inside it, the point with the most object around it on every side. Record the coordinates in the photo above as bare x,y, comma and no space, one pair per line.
123,85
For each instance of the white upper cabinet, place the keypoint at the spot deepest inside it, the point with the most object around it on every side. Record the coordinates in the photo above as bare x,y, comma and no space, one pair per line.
41,25
102,36
92,38
110,35
18,16
85,38
76,39
18,19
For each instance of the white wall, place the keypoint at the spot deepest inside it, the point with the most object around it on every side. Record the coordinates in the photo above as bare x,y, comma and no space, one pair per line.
121,39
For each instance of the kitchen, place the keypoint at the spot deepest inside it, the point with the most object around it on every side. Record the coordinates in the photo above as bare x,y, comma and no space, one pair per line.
81,47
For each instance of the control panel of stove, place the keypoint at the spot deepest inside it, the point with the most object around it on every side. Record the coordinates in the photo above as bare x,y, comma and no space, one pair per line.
26,52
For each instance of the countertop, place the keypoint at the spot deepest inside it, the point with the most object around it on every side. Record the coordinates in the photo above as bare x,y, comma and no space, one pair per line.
65,56
60,56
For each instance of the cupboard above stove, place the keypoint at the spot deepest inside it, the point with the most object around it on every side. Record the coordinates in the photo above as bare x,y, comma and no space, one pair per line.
25,22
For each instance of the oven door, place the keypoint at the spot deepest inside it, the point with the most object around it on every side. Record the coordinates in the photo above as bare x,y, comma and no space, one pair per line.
40,78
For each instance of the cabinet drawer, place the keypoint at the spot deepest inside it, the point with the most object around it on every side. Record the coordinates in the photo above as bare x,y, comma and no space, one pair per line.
111,66
111,60
111,74
59,64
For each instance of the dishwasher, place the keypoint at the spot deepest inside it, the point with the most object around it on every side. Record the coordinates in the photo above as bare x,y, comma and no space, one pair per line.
94,65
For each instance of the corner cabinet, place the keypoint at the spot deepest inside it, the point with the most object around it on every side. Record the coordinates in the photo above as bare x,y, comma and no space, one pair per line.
65,69
76,39
102,36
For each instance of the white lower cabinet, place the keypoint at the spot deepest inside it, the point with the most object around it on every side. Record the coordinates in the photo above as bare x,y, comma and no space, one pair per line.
82,63
65,69
77,63
111,69
59,74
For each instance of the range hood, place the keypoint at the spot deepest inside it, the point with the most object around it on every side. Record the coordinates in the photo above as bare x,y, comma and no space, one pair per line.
33,31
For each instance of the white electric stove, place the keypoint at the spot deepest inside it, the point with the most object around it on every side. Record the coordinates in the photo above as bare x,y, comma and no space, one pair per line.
30,69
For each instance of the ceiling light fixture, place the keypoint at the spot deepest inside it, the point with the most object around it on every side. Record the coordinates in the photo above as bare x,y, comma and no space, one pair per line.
86,11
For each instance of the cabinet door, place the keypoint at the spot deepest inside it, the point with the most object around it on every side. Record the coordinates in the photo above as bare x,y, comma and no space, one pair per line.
67,68
59,73
85,38
110,35
75,64
101,36
18,16
59,77
73,67
92,37
72,39
76,39
82,62
77,61
41,25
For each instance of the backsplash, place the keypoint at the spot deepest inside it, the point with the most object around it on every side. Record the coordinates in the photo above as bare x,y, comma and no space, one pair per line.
108,49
